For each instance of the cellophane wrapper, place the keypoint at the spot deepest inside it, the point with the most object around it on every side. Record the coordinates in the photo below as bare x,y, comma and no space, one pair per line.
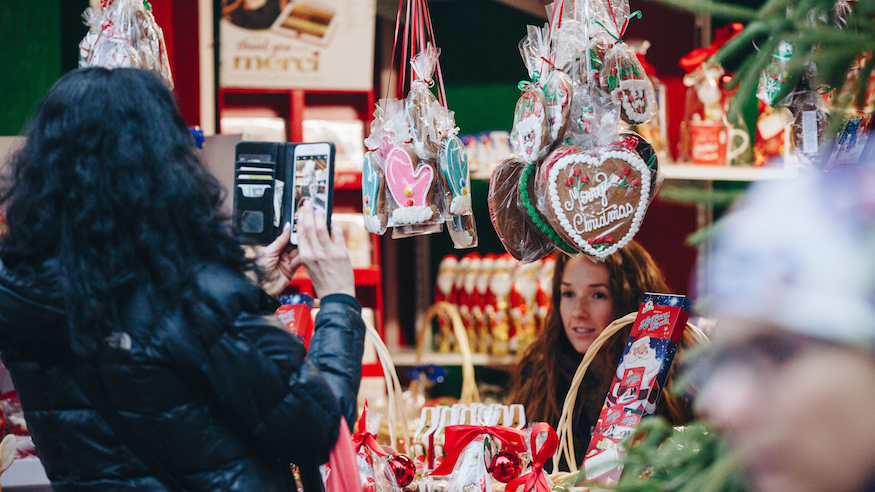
594,118
809,132
520,239
773,79
624,78
428,118
125,35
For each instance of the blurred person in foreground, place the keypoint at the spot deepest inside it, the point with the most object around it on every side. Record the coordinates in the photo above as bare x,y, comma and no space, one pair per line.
791,380
143,357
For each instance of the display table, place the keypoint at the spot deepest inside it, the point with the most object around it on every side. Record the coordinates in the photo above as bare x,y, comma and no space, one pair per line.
25,474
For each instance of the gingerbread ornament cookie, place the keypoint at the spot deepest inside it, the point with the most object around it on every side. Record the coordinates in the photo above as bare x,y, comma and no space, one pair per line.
410,184
558,91
597,200
454,169
522,240
530,135
624,78
373,195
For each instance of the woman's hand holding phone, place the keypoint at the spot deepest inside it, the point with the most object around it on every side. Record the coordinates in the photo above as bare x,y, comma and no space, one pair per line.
276,260
324,256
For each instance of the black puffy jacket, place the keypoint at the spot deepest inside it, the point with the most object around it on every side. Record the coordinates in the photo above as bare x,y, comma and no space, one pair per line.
225,402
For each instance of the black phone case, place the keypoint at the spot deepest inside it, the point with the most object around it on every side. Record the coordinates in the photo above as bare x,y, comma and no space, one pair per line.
254,214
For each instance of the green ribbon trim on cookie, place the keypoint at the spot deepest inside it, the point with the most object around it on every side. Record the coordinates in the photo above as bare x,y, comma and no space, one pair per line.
533,212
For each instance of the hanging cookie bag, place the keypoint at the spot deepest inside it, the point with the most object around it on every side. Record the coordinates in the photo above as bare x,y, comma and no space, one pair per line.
622,75
123,33
530,133
416,171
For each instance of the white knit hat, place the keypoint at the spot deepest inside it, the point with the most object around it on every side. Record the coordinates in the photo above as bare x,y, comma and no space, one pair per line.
801,254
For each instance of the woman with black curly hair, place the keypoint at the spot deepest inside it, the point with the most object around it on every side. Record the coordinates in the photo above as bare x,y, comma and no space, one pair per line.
142,356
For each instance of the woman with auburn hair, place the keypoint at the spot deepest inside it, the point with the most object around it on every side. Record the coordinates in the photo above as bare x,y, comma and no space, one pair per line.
587,297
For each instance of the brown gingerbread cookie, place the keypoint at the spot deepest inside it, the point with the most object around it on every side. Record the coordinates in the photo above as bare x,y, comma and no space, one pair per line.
530,135
373,195
521,240
597,199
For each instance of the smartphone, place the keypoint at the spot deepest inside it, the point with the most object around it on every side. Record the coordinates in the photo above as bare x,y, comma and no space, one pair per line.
314,181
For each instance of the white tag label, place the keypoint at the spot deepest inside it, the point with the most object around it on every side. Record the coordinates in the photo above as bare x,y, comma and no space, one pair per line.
809,132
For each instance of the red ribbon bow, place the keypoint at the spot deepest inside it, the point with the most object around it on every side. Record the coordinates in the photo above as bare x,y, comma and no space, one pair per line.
693,59
365,438
457,437
535,478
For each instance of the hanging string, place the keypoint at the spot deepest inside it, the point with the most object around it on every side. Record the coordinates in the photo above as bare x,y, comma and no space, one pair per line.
394,47
442,96
636,14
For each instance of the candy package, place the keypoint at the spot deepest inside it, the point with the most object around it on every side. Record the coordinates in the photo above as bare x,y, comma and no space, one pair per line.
773,80
123,33
530,134
809,134
470,447
594,118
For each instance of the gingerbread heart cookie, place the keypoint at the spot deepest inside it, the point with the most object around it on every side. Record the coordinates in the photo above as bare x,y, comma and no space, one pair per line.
522,240
597,200
645,151
410,185
530,135
373,195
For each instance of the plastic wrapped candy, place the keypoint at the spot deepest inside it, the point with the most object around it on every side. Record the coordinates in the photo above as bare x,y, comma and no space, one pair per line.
367,450
469,449
124,34
536,51
463,231
594,118
809,130
428,118
410,185
375,471
456,177
542,444
374,193
774,79
520,238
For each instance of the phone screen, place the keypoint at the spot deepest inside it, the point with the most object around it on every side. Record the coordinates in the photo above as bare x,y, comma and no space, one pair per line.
312,175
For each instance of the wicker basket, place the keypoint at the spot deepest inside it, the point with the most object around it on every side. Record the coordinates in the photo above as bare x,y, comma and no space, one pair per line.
396,421
470,393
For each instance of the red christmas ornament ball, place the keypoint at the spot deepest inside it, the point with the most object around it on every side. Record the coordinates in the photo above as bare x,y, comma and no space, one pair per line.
402,468
505,466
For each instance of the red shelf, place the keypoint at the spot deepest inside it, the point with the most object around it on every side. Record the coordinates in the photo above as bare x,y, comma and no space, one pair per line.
348,180
370,277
